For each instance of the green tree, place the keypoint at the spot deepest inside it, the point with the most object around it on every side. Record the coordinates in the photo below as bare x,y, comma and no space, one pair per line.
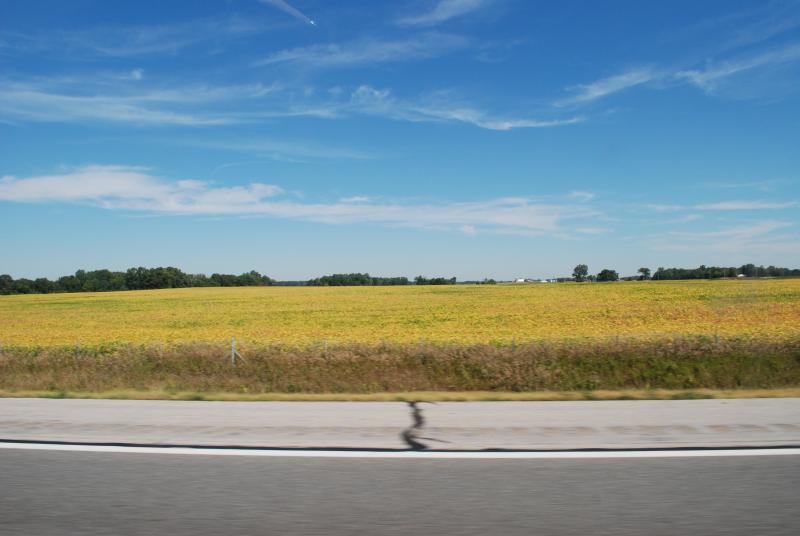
43,286
580,273
749,270
607,275
6,284
23,286
645,274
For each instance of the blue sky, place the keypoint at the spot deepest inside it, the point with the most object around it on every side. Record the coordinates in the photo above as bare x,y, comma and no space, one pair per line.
475,138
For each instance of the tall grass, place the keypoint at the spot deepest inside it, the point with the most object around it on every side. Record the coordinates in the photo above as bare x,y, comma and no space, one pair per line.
591,364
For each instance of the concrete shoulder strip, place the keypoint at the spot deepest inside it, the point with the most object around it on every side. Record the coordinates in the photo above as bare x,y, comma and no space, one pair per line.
412,455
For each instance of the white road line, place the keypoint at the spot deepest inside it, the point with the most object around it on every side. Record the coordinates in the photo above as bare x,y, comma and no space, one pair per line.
406,454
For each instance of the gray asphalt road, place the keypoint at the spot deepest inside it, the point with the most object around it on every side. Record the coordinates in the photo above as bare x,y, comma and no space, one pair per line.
56,493
459,425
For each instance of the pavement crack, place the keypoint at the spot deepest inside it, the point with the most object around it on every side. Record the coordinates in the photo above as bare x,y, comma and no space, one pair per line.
411,434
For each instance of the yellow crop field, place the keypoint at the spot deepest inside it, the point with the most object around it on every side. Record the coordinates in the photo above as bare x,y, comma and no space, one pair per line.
465,314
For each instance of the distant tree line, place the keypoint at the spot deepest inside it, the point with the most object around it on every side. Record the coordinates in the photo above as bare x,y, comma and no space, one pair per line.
420,280
715,272
169,277
355,280
366,280
581,273
133,279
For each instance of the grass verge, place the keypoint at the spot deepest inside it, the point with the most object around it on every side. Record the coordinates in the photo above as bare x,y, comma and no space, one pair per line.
577,366
433,396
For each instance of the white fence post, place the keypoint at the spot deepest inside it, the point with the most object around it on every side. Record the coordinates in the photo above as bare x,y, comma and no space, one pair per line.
234,353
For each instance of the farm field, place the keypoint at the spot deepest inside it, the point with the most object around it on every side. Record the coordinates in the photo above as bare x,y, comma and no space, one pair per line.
635,339
462,315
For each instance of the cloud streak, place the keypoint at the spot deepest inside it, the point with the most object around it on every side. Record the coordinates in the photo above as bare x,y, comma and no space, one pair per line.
745,205
367,100
135,189
758,236
583,93
61,101
131,41
367,51
707,78
155,107
132,188
281,150
725,205
581,195
443,11
286,7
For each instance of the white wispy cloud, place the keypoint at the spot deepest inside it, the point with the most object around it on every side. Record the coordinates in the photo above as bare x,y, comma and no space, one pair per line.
593,230
286,7
744,231
755,236
724,205
46,107
765,185
442,11
439,108
745,205
660,207
367,51
130,41
176,106
67,100
603,87
687,218
757,22
281,150
136,189
133,188
708,77
480,119
581,195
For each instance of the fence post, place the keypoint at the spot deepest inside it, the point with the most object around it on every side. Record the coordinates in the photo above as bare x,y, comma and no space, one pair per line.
234,353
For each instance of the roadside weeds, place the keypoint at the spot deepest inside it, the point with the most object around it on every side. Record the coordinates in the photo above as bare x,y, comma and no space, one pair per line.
432,396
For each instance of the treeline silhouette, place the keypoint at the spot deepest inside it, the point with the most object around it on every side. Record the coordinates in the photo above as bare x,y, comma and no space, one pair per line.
366,280
169,277
355,280
133,279
419,280
716,272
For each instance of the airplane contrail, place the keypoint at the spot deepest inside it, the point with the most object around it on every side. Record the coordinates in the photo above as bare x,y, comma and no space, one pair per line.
286,7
